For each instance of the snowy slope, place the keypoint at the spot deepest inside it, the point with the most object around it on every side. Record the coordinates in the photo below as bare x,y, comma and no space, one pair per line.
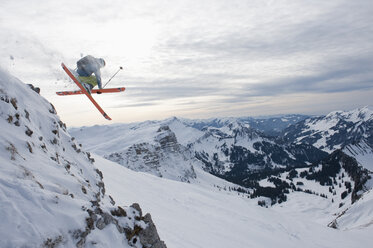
198,216
316,202
358,216
51,192
363,154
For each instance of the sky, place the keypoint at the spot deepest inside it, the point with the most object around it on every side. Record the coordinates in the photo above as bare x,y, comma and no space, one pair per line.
193,58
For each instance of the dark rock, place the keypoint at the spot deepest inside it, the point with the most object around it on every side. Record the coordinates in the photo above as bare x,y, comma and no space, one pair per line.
36,89
149,236
29,132
137,207
112,202
119,212
13,101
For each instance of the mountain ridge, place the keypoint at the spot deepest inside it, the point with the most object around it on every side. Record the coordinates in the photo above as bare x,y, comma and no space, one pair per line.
236,152
333,131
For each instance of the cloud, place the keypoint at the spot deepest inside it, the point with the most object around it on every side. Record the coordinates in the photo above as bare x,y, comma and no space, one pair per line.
133,105
206,55
338,76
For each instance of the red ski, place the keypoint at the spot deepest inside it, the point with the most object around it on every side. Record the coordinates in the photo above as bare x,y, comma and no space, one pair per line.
84,91
79,92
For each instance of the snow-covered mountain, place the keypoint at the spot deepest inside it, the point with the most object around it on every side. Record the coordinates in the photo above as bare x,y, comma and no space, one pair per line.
350,131
51,192
337,130
150,147
338,178
270,125
228,147
238,150
165,157
273,125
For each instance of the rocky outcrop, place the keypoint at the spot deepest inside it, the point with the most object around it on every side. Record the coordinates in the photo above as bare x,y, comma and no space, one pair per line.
167,140
149,236
46,174
140,231
164,157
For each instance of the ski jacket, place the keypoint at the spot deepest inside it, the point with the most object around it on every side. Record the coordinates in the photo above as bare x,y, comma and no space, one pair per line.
88,65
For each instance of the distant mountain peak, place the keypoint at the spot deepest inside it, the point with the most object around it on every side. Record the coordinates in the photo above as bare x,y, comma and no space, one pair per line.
355,115
336,130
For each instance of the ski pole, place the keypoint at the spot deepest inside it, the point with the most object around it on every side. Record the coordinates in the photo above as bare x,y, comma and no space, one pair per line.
120,68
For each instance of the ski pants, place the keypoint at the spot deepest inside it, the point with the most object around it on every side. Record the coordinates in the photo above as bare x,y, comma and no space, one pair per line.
89,80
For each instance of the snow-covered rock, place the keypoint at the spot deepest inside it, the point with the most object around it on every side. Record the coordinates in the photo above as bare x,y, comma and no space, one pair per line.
164,157
51,192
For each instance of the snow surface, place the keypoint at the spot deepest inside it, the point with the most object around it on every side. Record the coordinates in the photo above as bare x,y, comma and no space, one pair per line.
185,134
117,137
359,215
35,190
313,207
47,183
196,215
362,153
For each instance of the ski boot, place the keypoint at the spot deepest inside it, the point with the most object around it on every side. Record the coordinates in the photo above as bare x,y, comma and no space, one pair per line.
87,87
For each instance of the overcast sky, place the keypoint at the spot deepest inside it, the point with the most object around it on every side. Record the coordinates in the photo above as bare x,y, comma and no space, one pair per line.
194,58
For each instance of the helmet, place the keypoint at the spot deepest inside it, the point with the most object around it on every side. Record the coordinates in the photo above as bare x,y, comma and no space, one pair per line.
102,62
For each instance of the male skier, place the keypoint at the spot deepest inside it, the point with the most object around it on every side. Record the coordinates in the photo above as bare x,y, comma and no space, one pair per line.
87,66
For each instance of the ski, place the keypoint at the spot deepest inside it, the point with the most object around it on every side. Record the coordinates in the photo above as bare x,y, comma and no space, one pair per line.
79,92
84,91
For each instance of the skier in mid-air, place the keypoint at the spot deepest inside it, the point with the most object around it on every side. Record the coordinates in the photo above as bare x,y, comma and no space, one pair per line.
87,66
84,79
